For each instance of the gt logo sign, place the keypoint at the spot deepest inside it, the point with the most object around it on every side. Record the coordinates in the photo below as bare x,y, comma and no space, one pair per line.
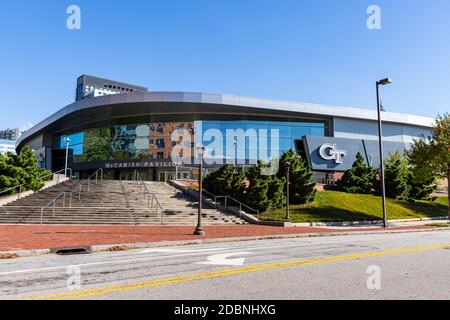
329,151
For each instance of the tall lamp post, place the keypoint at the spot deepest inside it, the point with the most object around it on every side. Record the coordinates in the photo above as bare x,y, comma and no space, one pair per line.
199,230
287,167
380,141
235,143
67,141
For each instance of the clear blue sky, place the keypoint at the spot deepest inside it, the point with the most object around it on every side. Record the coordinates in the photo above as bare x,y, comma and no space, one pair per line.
314,51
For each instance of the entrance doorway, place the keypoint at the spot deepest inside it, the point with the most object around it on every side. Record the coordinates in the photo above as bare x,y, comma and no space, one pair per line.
124,175
130,175
165,176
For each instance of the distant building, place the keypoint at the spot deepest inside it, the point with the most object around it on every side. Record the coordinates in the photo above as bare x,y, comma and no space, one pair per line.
10,134
7,146
88,87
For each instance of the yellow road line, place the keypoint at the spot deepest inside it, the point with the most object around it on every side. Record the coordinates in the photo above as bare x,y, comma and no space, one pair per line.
223,273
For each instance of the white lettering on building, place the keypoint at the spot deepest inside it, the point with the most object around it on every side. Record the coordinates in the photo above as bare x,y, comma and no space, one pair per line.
329,151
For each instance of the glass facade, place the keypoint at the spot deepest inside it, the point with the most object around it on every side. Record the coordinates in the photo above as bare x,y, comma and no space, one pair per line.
125,142
154,140
286,136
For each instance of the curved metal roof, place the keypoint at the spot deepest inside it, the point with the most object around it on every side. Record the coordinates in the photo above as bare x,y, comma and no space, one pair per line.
226,100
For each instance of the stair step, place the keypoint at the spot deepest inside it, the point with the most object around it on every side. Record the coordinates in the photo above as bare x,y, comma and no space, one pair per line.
112,202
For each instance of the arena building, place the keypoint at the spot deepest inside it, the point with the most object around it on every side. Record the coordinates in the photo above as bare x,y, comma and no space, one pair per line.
131,131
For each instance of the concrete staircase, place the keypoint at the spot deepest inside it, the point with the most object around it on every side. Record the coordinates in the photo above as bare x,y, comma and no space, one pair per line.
111,203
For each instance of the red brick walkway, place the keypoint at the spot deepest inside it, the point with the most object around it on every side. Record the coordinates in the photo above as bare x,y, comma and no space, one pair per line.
24,237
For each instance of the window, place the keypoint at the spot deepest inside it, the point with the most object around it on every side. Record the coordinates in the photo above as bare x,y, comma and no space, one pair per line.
160,155
318,132
160,144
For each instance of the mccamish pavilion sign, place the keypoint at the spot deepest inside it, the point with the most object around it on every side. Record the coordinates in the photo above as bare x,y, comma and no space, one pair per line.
140,164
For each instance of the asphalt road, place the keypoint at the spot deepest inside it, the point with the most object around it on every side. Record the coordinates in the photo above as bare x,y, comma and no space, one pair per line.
383,266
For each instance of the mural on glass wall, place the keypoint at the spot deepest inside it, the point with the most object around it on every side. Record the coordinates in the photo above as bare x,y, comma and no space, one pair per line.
127,142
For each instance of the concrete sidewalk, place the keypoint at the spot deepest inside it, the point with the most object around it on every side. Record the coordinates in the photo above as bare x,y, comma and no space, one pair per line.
33,237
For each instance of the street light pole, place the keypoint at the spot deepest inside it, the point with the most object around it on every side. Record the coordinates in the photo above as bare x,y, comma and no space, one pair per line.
380,141
287,166
235,143
67,141
199,230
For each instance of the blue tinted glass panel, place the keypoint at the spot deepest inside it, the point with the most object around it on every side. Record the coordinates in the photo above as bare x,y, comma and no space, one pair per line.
209,125
232,125
318,132
285,144
77,138
77,150
299,132
301,124
257,125
284,130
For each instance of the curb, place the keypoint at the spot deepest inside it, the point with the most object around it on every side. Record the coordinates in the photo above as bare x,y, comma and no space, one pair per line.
364,223
132,246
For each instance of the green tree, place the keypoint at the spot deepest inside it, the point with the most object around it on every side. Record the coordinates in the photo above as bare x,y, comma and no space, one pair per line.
431,155
422,188
10,174
226,181
359,179
274,197
277,192
28,162
257,196
301,189
21,169
397,174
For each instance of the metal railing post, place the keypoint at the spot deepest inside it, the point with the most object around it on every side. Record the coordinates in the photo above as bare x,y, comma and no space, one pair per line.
54,208
64,200
20,192
226,206
71,194
42,215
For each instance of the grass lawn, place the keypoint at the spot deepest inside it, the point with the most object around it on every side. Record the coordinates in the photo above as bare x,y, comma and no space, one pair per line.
442,200
332,206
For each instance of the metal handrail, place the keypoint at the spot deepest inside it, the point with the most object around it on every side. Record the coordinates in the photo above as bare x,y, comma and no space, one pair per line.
64,193
238,202
39,178
151,197
80,185
241,205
